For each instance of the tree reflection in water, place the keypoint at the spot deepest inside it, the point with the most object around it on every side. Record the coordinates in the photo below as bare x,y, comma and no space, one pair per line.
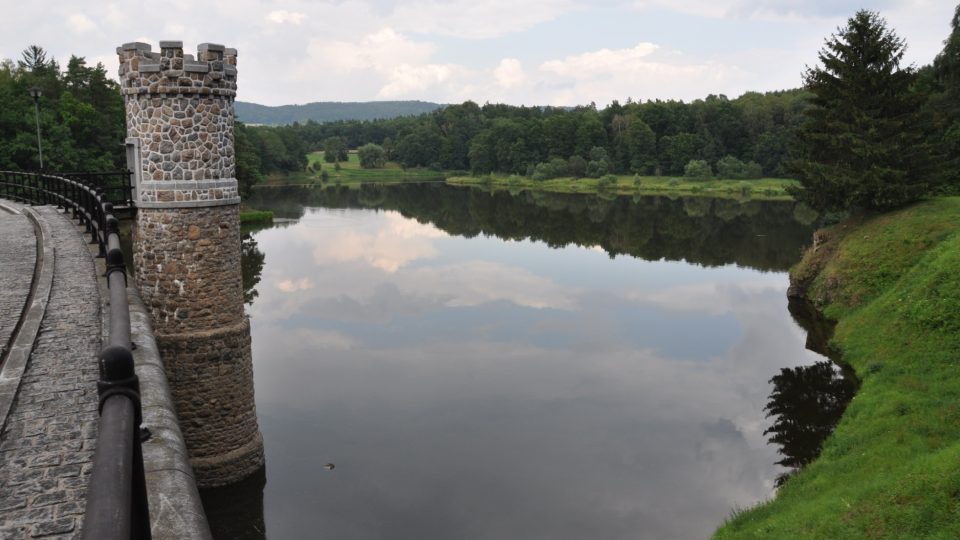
251,266
766,235
806,403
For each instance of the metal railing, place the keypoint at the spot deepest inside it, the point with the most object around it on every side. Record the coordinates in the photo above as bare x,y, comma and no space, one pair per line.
116,493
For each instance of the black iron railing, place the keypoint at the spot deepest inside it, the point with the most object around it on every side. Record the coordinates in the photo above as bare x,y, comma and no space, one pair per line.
116,493
116,186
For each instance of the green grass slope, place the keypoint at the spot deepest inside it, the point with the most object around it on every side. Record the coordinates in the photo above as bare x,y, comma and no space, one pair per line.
892,467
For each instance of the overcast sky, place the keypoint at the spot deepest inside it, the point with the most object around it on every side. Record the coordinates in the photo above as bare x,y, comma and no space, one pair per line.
543,52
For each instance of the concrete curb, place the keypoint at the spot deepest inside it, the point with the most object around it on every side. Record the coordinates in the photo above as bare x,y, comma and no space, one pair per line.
22,344
176,510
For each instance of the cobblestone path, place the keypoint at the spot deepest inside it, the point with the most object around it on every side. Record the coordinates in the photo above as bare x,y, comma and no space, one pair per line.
18,253
47,443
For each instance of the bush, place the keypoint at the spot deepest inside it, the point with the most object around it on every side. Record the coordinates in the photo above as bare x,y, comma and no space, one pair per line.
372,156
555,168
698,168
577,166
597,168
607,182
732,168
324,175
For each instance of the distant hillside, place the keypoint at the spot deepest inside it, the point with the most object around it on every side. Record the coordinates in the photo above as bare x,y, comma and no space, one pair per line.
327,111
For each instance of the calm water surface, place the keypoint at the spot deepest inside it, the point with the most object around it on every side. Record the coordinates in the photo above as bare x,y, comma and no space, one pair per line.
513,366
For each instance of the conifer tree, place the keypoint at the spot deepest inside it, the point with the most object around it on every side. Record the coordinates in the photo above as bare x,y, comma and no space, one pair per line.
863,144
946,70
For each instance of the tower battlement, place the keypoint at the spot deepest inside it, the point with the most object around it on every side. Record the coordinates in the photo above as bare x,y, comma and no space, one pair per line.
180,112
212,72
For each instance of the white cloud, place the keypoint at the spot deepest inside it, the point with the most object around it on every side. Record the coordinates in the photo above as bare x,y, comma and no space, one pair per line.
80,23
794,10
305,50
644,71
403,66
472,19
115,15
407,80
283,16
290,285
604,61
380,51
509,73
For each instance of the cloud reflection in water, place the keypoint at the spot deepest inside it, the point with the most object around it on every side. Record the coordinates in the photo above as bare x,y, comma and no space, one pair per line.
473,388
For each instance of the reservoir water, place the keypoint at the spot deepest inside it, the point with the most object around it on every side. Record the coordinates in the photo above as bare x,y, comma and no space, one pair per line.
442,362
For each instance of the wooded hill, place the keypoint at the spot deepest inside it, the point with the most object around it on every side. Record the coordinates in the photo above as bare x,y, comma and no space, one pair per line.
329,111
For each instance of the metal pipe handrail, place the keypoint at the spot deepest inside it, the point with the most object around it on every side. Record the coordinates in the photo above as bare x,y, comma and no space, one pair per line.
116,506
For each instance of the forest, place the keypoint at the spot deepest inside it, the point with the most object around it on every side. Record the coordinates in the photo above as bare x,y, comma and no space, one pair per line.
651,138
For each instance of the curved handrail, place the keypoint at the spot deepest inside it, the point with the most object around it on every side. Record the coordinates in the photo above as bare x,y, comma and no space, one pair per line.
116,493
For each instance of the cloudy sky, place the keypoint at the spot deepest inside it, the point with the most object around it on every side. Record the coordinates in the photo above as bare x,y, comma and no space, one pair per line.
556,52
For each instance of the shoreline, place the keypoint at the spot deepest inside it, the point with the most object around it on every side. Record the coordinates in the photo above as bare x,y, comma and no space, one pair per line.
891,283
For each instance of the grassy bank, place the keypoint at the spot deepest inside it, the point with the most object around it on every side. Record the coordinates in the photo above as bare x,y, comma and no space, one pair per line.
890,470
764,188
248,217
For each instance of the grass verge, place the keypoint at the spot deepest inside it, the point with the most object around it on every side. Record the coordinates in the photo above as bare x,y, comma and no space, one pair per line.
764,188
892,467
350,172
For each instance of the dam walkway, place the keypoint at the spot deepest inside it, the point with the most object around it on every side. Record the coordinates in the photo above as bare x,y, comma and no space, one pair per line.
51,331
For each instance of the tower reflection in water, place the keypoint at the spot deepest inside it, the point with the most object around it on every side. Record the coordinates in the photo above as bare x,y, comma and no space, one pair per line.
236,511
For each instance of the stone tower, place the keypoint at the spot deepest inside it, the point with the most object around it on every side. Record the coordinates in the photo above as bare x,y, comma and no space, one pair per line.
187,246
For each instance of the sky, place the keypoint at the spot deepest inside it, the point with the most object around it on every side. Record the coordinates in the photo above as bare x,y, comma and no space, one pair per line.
522,52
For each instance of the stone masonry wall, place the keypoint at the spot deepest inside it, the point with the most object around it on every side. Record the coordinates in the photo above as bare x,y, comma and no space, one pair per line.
212,384
187,247
187,263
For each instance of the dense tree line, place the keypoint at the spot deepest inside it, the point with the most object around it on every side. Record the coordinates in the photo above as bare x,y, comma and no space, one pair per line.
80,111
655,137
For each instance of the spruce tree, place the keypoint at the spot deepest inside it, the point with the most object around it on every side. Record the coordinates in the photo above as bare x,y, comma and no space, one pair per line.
945,104
863,144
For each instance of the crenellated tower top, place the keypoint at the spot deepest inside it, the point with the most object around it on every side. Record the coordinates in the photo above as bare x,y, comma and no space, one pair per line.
180,118
212,72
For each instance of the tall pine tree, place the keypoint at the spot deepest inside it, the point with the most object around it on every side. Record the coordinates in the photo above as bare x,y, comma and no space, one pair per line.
863,144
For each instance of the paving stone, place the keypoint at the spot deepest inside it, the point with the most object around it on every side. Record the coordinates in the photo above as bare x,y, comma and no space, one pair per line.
48,441
18,249
58,526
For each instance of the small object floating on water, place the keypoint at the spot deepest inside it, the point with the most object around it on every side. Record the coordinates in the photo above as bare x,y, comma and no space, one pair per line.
329,466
